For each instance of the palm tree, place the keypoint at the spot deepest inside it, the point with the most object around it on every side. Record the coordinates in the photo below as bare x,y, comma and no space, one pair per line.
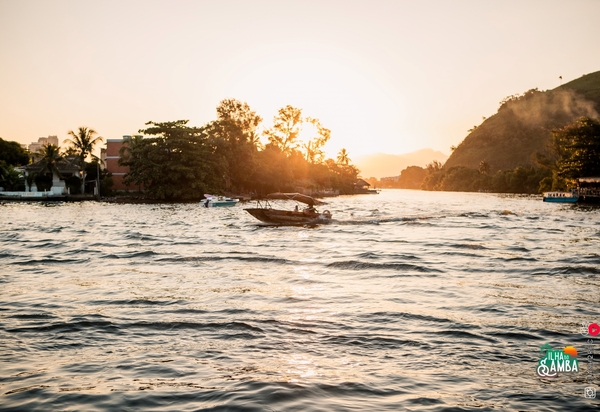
343,158
10,178
49,156
83,142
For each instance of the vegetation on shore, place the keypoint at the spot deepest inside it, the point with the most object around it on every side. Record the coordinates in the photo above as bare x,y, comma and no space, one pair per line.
48,159
537,141
11,155
182,162
574,153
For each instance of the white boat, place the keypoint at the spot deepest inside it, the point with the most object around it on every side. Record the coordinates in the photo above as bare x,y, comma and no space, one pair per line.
561,197
218,201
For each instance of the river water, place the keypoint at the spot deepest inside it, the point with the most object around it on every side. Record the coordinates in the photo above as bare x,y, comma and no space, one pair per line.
408,300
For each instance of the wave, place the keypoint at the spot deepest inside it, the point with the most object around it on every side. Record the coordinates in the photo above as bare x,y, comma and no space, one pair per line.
160,326
49,261
374,342
69,327
131,255
226,257
374,255
135,302
394,317
575,270
358,265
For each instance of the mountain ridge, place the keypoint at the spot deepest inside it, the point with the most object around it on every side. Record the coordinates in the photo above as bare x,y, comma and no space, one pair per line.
521,129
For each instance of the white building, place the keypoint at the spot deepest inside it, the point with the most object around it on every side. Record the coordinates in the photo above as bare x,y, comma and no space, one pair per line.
35,146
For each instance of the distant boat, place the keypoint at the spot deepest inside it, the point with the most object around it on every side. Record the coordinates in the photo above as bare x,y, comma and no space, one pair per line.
561,197
218,201
308,215
587,191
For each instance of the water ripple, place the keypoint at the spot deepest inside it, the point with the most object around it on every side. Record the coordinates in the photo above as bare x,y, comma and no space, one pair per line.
407,301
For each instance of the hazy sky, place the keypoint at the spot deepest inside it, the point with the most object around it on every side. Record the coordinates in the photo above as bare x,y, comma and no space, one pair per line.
385,76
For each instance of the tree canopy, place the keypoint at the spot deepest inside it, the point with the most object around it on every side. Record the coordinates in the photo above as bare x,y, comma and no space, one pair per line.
12,153
578,146
178,162
83,142
175,164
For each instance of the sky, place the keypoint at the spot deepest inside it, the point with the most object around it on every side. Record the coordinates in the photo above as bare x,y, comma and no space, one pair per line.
385,76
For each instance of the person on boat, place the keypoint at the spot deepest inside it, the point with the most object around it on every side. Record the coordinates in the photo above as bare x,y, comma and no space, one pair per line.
310,209
206,204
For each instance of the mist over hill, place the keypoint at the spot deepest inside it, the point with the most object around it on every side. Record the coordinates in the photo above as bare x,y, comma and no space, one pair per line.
384,165
522,127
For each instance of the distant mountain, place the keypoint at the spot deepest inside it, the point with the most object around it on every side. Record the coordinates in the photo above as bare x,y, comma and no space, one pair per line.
385,165
522,127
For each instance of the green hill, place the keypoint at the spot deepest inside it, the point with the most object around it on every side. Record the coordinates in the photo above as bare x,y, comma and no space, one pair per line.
522,127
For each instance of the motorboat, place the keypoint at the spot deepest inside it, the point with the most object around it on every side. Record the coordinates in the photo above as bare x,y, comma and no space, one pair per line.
218,201
561,197
265,212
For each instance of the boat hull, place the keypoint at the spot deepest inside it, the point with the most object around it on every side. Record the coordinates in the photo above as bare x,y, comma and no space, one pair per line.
286,217
561,200
560,197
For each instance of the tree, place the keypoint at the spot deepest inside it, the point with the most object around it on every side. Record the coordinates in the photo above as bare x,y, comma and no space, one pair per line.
459,179
12,153
314,146
484,168
10,178
412,177
578,147
286,128
232,110
434,166
435,174
342,157
177,164
49,156
128,147
342,177
274,172
83,142
236,142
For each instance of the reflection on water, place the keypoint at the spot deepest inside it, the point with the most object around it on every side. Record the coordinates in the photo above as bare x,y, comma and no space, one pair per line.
407,301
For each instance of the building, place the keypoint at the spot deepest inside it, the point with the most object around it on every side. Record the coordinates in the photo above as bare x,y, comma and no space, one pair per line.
362,187
66,168
35,146
110,156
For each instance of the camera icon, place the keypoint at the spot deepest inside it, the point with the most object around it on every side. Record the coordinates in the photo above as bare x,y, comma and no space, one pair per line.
589,392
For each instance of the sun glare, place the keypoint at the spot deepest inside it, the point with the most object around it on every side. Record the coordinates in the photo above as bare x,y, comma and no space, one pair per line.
331,88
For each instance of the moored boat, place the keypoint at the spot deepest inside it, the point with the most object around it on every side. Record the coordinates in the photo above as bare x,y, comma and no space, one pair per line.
561,197
218,201
308,215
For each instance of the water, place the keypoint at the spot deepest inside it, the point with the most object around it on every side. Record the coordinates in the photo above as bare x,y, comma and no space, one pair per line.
408,301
